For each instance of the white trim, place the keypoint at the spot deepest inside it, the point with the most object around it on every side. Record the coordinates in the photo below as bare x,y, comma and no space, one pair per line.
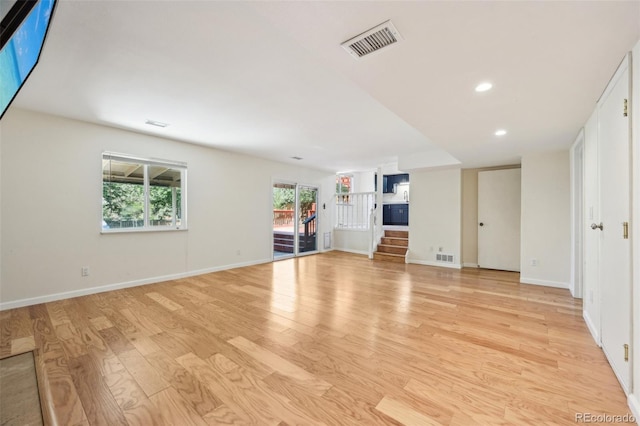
592,328
470,265
634,404
144,160
166,228
437,264
576,166
363,252
546,283
110,287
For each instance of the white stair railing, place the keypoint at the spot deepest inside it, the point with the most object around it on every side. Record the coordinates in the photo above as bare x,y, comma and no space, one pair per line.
373,241
353,210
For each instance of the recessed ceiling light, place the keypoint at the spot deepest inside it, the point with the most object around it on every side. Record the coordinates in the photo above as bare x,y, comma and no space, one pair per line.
500,132
483,87
156,123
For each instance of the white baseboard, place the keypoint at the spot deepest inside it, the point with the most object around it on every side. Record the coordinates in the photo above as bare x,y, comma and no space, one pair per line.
469,265
634,404
592,328
364,252
438,264
110,287
557,284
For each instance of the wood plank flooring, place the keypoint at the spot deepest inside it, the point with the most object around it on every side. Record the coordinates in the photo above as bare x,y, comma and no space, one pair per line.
331,339
19,402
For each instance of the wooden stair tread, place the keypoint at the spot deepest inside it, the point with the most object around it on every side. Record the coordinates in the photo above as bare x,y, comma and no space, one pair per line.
393,247
385,248
396,234
389,257
403,242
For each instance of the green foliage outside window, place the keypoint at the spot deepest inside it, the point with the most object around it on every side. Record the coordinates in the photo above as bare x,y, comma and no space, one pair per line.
124,202
285,198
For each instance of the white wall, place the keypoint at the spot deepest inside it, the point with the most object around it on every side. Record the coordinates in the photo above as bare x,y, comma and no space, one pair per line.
434,216
545,223
51,211
363,181
634,398
352,241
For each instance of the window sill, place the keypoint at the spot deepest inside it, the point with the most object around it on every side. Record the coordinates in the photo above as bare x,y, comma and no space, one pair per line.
140,230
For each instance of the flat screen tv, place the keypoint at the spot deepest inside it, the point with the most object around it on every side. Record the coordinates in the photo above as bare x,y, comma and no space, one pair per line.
24,30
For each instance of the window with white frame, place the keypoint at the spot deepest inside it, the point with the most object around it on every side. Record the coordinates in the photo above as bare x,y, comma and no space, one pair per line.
344,186
142,194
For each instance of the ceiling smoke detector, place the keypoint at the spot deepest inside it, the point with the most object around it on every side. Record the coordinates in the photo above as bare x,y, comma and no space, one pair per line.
372,40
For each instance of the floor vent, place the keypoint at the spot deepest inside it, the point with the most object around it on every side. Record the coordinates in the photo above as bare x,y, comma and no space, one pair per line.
441,257
327,240
370,41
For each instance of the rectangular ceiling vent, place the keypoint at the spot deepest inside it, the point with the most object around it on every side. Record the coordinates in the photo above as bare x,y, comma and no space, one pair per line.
379,37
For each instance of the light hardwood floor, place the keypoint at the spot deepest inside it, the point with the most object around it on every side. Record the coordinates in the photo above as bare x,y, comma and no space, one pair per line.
327,339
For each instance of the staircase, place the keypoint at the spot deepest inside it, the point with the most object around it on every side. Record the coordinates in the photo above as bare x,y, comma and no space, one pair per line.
393,247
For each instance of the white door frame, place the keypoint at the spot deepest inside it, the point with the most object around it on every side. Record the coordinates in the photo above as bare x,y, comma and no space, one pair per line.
591,239
577,215
318,233
296,185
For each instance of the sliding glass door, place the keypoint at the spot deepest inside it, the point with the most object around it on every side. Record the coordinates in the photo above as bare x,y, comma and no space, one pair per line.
295,220
307,219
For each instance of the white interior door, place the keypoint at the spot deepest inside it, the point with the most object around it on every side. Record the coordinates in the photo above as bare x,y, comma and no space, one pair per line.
499,219
615,254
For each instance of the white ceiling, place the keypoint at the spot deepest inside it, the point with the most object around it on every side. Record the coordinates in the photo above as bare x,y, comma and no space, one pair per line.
270,78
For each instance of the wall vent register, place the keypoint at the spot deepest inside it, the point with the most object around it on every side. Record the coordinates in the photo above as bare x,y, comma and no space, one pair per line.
372,40
442,257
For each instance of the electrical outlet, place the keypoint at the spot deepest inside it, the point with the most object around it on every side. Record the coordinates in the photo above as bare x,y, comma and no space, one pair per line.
84,271
238,252
591,296
534,262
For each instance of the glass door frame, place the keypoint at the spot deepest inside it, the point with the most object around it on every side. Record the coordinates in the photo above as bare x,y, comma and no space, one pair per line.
296,213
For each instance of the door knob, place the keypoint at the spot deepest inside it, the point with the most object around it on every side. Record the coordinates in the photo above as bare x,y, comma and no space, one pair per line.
481,224
594,226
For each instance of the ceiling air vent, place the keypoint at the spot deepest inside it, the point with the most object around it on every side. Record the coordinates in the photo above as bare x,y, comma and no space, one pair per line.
372,40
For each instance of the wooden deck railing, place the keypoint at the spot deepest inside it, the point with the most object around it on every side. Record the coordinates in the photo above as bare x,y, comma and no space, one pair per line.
283,217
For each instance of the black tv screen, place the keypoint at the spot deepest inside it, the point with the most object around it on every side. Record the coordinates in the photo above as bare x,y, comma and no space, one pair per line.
22,41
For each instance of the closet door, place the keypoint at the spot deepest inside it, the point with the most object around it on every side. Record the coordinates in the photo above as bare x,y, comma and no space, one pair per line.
499,219
615,254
